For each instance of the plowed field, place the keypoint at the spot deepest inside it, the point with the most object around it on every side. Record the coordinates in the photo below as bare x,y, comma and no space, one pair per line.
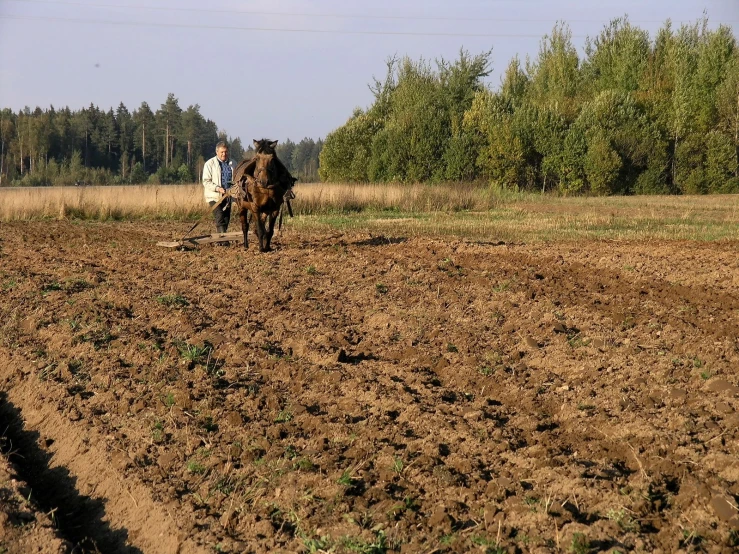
352,393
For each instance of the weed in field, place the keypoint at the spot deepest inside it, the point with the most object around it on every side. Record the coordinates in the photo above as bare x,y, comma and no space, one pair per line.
195,467
697,363
169,400
628,323
320,544
311,270
173,300
501,287
157,432
284,416
690,538
576,341
622,518
381,289
579,544
193,354
398,465
451,348
304,464
9,284
48,287
378,545
491,545
346,479
485,371
74,324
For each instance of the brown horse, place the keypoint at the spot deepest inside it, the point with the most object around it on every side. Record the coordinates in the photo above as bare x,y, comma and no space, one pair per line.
264,182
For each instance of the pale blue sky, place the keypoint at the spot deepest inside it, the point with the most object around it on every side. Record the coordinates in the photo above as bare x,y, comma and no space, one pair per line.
256,81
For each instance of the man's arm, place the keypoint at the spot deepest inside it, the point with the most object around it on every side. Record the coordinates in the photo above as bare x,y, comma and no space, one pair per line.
208,182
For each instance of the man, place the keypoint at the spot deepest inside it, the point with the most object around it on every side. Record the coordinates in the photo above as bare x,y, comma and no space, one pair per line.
217,176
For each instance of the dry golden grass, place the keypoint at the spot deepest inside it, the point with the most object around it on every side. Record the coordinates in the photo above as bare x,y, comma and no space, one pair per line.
452,209
102,203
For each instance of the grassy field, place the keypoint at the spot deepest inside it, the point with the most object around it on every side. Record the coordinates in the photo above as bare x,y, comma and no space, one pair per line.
455,210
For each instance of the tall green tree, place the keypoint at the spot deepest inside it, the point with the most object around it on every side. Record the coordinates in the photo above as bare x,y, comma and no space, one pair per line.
169,123
144,136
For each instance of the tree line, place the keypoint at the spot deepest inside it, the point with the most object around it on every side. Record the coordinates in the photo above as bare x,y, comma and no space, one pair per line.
633,116
92,146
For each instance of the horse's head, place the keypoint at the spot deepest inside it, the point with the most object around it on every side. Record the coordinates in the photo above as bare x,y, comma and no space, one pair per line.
265,146
265,171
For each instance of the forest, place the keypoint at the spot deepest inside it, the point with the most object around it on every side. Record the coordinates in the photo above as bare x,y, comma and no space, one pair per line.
631,116
91,146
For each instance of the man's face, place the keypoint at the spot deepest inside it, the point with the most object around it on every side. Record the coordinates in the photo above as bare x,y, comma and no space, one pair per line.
222,154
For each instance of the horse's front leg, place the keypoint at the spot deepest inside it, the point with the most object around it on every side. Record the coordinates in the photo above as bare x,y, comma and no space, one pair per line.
271,228
244,216
261,231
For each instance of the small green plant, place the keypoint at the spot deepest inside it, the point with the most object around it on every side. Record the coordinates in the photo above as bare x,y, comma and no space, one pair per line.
579,544
284,416
48,287
193,353
304,464
576,341
346,479
485,371
195,467
74,324
311,270
491,545
503,286
447,540
697,363
690,538
173,300
169,400
622,518
451,348
377,546
398,465
157,432
381,289
320,544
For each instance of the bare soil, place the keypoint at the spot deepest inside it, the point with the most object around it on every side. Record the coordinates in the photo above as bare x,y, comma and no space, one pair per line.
352,393
23,528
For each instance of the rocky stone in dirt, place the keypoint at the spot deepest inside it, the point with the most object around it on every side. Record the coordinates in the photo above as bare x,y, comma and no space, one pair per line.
722,508
531,342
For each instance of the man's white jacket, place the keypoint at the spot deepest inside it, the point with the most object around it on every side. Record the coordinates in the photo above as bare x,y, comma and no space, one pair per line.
212,179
